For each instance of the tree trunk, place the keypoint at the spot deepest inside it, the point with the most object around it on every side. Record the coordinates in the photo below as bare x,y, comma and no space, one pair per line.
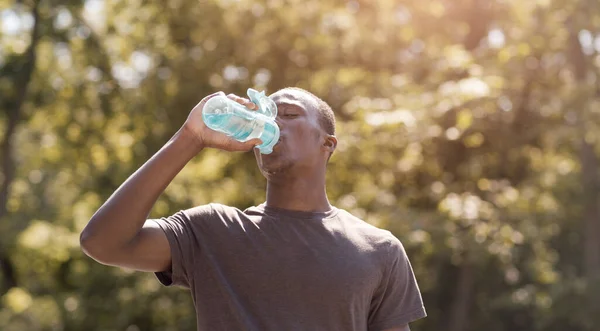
589,167
13,117
591,217
459,310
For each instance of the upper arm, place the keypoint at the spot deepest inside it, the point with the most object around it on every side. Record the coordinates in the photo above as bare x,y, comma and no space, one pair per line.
148,251
167,246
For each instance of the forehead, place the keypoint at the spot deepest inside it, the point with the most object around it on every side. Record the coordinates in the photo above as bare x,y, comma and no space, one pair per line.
294,97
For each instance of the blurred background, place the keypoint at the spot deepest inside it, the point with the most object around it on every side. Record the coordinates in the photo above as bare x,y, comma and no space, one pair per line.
468,128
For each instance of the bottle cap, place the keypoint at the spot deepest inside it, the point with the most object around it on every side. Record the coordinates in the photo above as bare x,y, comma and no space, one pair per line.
268,108
266,105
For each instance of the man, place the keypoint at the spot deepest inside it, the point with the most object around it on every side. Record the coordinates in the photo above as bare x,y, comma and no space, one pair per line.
294,262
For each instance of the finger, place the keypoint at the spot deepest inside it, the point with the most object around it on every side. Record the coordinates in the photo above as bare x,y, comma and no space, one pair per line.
250,144
214,95
206,98
245,146
243,101
251,105
236,98
255,142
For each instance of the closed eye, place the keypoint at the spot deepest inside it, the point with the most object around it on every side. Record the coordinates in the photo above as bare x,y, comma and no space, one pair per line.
290,115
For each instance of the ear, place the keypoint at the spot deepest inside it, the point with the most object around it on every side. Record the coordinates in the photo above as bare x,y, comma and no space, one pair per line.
330,143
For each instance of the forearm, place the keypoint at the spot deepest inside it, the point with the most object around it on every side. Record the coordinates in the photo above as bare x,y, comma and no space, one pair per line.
120,218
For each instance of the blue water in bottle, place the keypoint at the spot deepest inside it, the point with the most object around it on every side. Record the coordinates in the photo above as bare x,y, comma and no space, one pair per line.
225,115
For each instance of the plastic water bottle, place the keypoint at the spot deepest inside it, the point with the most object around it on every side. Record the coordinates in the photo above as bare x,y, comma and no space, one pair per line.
242,124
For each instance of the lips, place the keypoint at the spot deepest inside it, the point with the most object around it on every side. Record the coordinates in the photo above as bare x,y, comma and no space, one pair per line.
278,143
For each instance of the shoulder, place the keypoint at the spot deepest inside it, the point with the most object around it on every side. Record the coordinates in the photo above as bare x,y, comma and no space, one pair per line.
383,236
385,242
217,214
211,210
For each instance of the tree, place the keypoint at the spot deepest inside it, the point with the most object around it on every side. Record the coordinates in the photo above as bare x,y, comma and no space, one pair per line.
468,128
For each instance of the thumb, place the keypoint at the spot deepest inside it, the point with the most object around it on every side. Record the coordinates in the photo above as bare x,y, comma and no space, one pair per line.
252,143
255,141
246,145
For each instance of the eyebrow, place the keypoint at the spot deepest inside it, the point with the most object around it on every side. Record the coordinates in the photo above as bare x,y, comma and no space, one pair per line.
291,104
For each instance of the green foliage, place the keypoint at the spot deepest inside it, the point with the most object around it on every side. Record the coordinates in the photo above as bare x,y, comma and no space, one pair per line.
469,128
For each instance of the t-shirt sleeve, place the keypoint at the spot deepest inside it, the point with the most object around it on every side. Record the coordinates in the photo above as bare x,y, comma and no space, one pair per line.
183,241
397,301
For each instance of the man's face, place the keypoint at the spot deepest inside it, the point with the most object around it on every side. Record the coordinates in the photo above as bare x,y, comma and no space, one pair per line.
301,135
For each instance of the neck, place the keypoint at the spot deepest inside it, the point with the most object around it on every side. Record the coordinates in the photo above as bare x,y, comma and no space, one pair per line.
301,193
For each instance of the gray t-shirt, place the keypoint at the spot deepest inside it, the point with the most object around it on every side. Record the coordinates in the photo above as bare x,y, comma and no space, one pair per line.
266,269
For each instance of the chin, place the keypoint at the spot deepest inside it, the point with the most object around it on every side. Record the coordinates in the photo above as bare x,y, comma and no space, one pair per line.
271,165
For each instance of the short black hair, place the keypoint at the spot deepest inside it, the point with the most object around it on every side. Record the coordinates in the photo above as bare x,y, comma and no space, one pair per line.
326,115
